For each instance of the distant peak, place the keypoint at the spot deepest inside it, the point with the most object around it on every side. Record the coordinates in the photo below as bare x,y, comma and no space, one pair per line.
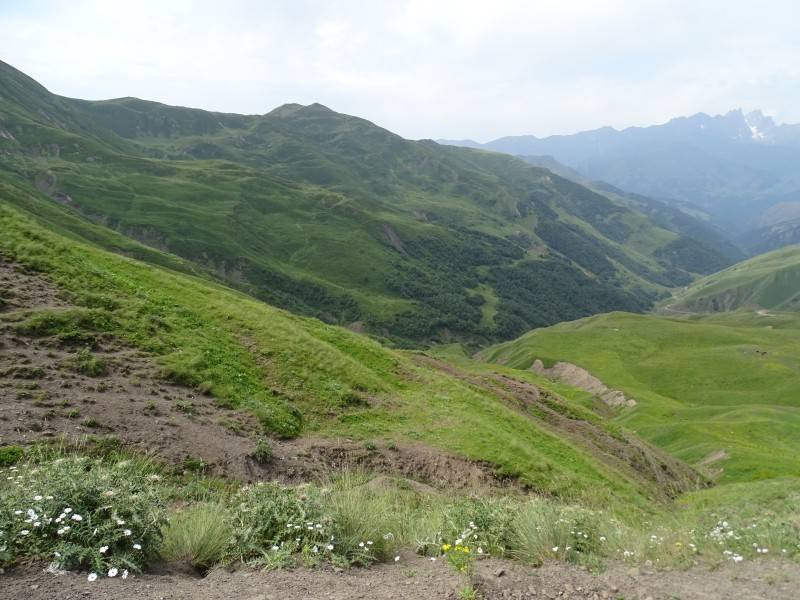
285,110
288,110
320,107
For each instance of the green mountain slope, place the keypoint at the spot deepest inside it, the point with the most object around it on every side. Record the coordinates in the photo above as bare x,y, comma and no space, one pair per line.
331,216
300,376
718,392
768,282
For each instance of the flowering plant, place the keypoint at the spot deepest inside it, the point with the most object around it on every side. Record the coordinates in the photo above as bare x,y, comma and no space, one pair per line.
82,513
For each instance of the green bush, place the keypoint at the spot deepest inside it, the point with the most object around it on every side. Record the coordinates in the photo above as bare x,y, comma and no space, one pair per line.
269,517
273,523
263,453
481,522
82,513
10,455
200,535
86,363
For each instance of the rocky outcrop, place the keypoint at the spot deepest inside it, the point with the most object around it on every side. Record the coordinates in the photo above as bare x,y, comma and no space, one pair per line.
579,377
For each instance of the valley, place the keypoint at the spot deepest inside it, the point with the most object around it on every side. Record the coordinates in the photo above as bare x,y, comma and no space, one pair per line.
265,355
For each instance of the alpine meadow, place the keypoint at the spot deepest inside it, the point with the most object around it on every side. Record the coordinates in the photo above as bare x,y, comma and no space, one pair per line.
292,354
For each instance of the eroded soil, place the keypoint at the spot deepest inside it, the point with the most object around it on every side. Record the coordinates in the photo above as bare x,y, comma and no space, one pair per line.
44,397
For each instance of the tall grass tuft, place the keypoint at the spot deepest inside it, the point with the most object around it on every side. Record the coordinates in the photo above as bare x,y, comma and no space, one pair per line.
200,535
369,522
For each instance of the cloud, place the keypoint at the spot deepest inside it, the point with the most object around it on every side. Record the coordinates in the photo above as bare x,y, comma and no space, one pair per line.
423,69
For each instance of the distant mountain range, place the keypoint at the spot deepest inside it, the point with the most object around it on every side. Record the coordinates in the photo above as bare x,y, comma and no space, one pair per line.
329,215
743,169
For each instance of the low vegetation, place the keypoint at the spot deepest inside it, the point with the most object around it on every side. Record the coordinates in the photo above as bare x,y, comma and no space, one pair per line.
770,282
112,516
719,392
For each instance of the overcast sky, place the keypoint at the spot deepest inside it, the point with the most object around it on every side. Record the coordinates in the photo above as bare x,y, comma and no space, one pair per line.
424,69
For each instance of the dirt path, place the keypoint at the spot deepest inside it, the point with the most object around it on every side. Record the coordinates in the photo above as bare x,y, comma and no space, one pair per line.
416,578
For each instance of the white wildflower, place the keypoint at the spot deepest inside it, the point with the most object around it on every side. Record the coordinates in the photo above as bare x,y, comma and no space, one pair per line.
112,572
92,577
103,549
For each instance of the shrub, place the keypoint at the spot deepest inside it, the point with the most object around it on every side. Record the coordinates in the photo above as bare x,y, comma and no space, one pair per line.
10,455
200,535
82,513
269,517
274,523
482,523
263,452
192,464
86,363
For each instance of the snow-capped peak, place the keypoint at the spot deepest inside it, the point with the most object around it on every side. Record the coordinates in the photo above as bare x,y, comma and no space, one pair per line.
759,125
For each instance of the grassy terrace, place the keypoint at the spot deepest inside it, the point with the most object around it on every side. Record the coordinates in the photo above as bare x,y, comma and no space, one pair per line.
704,385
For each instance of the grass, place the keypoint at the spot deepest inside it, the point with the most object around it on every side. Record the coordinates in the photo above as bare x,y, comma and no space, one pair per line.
703,385
349,521
768,281
198,535
296,374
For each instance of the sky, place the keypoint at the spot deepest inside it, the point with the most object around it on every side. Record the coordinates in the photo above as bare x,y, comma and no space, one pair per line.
423,69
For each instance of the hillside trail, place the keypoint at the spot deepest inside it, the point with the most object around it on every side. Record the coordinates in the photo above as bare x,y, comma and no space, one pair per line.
418,578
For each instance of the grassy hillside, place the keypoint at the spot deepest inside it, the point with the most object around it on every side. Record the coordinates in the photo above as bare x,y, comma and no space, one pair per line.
300,376
714,391
331,216
770,281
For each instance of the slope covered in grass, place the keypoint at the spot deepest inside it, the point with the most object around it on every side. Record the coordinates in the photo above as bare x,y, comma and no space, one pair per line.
301,376
714,391
770,281
331,216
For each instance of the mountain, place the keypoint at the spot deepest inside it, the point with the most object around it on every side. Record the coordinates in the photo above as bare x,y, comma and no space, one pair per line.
767,282
145,348
735,166
772,237
329,215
